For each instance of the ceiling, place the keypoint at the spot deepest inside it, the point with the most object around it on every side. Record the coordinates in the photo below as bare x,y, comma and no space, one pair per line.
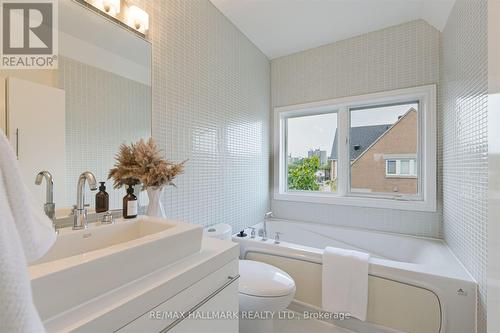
282,27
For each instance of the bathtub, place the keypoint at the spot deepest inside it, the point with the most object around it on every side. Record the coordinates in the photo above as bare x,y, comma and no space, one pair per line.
416,284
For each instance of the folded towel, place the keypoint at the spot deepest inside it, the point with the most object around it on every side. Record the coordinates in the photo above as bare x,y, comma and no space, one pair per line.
345,282
26,234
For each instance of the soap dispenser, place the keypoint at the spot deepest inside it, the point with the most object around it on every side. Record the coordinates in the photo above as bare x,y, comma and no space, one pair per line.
102,199
130,205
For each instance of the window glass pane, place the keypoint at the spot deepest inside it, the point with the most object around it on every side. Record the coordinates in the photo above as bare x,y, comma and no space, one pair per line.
382,141
391,167
405,167
311,143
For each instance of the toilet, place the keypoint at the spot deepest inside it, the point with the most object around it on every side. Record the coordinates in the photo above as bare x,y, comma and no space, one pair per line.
262,288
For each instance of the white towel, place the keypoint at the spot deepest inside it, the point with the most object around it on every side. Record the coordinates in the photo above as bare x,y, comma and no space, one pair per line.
26,234
345,282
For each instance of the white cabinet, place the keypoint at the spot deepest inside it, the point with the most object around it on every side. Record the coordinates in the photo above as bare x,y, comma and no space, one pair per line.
192,310
36,125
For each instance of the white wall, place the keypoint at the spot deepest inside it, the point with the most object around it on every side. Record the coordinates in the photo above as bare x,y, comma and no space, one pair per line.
402,56
211,97
464,97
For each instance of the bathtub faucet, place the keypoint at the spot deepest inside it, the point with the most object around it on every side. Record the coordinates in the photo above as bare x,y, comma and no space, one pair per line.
264,230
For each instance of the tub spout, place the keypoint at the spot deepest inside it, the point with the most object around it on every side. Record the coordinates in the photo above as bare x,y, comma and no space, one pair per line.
264,230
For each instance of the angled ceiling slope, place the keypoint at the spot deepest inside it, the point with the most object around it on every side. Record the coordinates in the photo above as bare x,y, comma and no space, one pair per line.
282,27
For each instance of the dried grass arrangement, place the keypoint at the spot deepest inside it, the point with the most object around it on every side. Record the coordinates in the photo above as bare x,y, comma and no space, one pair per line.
142,162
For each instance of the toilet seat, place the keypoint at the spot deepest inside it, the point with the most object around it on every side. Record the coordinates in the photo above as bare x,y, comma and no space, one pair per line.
259,279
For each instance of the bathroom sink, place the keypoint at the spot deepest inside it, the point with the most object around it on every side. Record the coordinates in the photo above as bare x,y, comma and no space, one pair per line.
84,264
77,242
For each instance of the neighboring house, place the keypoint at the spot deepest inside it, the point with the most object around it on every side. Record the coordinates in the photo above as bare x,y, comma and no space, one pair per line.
383,157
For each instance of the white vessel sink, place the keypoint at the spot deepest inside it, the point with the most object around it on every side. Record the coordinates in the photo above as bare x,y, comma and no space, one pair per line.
84,264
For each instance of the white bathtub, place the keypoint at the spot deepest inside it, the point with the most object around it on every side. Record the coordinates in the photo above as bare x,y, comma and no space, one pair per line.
416,284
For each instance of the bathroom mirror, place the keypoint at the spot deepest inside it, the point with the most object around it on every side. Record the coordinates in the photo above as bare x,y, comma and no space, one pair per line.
98,98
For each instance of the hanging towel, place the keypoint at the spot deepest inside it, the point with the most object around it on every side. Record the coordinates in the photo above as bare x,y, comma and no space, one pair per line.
26,234
345,282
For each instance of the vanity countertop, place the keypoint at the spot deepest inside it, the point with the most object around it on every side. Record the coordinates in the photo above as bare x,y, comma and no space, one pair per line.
123,304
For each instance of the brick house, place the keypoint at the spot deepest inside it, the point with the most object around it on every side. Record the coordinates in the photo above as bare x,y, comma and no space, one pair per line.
383,157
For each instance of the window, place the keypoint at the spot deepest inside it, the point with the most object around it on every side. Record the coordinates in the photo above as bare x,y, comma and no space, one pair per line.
403,168
375,150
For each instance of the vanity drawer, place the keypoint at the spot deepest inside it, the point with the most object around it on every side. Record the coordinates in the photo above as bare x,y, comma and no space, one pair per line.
217,292
223,303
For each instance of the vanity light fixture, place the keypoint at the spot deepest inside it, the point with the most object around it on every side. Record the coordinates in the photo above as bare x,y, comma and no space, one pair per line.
138,19
129,16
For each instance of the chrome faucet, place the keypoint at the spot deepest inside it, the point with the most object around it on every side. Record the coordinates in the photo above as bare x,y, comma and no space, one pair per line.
264,230
80,212
49,207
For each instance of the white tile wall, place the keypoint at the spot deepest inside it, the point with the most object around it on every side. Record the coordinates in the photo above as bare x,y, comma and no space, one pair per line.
402,56
103,111
211,97
464,89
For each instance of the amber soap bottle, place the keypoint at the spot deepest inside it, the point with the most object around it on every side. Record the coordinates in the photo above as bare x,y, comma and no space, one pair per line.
102,199
130,205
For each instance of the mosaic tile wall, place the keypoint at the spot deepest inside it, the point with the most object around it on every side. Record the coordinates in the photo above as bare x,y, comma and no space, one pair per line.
402,56
211,97
464,88
103,110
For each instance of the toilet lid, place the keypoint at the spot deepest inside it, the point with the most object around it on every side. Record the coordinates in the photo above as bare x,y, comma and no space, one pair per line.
261,279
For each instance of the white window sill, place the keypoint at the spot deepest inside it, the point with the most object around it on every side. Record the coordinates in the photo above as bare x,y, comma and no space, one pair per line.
358,201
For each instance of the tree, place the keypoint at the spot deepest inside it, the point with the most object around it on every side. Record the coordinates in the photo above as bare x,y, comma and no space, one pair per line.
302,175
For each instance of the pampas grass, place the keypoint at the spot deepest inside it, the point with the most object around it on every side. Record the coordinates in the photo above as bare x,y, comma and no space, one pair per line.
142,162
125,169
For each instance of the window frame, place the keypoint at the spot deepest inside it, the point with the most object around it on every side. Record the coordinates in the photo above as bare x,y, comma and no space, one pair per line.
425,200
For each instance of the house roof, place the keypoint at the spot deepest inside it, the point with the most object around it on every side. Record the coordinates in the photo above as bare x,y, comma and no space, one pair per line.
361,138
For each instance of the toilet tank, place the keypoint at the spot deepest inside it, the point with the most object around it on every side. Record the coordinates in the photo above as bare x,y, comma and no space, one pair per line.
219,231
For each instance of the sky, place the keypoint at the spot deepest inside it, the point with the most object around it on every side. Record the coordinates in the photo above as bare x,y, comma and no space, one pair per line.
312,132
